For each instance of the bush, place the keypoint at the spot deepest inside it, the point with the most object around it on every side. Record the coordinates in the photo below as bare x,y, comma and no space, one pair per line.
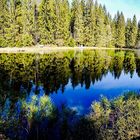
117,119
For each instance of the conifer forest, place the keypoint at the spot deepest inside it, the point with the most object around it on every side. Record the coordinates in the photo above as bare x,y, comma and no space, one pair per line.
65,23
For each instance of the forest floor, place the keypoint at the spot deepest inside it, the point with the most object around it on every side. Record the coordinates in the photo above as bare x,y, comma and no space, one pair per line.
45,49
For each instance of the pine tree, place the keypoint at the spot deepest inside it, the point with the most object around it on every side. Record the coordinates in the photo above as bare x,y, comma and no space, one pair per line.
47,21
134,31
13,30
63,22
77,24
120,40
27,22
138,36
131,32
114,31
89,24
108,29
99,26
128,33
3,21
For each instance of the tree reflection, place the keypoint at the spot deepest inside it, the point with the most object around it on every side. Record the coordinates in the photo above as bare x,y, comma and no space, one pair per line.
23,102
55,70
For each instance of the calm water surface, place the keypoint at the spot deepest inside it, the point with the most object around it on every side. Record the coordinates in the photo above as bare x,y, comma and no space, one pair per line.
73,78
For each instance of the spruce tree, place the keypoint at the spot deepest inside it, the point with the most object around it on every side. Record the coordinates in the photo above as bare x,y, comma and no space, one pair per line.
3,21
114,31
89,24
138,36
128,33
77,22
100,30
63,22
134,31
47,21
27,22
108,29
13,30
120,25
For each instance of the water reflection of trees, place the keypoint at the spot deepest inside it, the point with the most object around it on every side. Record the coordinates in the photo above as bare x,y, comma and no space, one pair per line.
56,69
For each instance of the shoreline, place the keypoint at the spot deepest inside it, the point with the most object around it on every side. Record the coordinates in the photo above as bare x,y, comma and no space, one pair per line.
46,49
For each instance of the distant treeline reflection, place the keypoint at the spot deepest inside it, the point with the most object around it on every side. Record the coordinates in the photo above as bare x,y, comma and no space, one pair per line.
56,69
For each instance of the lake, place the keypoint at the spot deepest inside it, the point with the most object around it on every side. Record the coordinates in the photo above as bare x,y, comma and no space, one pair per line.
44,95
72,78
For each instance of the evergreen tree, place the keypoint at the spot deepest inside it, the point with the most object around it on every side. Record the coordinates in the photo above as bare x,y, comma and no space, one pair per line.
11,30
108,29
134,31
47,21
14,28
89,24
3,22
99,26
77,22
120,40
63,22
114,31
131,32
27,22
138,36
128,33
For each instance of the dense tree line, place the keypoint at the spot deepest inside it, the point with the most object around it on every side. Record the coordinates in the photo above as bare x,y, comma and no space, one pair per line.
58,22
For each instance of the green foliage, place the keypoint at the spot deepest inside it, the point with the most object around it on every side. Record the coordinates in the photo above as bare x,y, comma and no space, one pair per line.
131,32
120,25
71,42
128,33
99,27
138,36
38,108
83,67
78,22
57,22
117,119
89,24
47,21
134,31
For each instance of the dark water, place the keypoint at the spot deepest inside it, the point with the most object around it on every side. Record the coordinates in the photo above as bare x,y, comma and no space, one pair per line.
73,78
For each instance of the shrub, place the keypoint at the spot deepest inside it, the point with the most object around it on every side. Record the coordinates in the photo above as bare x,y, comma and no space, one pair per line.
117,119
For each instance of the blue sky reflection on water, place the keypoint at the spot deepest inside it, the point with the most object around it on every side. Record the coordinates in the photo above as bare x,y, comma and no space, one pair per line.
81,98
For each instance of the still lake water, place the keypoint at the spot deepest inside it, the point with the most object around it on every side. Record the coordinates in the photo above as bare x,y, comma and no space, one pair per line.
73,78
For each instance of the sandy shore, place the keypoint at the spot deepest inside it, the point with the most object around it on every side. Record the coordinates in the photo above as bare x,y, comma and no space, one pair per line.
50,49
